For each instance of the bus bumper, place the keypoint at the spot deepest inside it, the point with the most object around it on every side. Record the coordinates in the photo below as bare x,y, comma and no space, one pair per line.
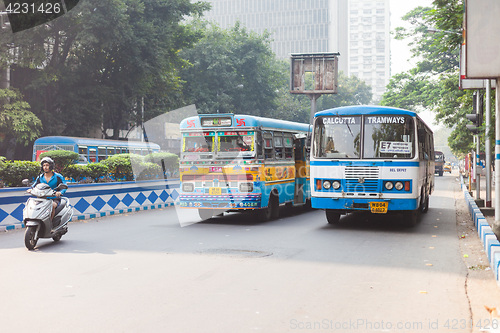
220,202
351,204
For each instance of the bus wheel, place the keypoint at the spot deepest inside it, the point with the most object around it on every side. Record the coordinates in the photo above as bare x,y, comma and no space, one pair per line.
332,216
424,206
411,218
271,211
205,214
275,204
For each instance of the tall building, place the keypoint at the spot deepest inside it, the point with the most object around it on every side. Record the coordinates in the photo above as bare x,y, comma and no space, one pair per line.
296,26
358,29
369,43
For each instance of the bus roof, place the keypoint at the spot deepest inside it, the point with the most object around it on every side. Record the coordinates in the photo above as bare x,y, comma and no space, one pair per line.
69,140
241,120
364,110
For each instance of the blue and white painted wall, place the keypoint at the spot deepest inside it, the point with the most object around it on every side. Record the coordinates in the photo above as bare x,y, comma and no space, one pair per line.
94,200
490,243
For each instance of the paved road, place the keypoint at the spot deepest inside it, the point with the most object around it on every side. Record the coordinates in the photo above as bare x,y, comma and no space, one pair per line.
143,272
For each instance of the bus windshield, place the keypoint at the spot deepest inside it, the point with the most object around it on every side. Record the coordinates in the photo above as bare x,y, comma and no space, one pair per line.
338,137
198,142
232,142
388,136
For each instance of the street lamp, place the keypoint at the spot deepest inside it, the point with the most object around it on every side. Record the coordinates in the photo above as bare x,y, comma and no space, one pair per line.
434,30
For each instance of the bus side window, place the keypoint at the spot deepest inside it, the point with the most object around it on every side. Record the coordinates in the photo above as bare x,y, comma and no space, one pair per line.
288,143
278,144
268,146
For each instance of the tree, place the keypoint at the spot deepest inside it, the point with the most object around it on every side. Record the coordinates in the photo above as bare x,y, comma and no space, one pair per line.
297,107
17,123
92,67
231,70
351,91
433,83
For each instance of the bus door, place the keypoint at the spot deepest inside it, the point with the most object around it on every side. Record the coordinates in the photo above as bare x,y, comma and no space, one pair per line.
300,170
92,154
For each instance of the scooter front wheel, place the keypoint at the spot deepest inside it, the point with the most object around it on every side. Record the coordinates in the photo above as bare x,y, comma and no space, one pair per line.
29,238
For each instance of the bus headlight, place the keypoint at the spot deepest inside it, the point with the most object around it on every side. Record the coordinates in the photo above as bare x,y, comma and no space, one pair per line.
389,186
336,185
187,187
246,187
399,186
327,185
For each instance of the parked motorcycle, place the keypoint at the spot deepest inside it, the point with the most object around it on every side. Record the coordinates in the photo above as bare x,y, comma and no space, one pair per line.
36,215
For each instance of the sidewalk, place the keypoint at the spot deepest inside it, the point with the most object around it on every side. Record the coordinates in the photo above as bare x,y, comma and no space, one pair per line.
483,218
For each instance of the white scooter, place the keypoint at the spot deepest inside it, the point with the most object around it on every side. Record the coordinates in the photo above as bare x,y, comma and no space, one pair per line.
36,215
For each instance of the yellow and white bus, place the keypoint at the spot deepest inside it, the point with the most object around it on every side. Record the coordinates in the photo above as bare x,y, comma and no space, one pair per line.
234,162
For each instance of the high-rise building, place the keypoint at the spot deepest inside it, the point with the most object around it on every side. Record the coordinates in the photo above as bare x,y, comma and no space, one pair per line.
369,43
357,29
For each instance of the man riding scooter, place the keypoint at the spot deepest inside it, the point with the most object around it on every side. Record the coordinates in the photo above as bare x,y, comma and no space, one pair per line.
51,178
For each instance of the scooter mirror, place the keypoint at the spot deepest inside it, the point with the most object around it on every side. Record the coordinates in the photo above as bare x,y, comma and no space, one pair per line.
25,182
62,186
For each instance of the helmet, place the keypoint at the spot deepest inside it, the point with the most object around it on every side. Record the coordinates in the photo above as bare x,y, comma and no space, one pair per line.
47,160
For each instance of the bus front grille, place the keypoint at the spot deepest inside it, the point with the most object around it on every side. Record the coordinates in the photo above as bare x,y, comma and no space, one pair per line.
369,185
361,171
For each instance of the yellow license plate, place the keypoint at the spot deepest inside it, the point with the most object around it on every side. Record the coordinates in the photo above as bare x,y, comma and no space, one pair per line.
379,207
215,191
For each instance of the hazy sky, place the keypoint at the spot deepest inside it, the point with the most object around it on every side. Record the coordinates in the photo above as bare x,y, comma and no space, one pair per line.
400,52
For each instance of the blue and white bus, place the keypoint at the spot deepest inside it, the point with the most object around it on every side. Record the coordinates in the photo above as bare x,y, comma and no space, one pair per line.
92,150
234,162
371,158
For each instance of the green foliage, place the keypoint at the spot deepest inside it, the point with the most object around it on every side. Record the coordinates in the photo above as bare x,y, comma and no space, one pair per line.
433,83
62,158
231,70
171,161
120,165
15,118
149,171
13,172
351,91
95,63
78,172
97,171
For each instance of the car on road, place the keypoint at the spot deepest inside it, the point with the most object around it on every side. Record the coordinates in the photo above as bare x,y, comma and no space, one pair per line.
447,167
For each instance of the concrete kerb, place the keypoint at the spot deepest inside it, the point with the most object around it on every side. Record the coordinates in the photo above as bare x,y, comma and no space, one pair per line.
490,242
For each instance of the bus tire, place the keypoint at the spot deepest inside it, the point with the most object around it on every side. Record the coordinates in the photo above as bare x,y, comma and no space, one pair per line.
271,211
424,206
275,204
205,214
332,216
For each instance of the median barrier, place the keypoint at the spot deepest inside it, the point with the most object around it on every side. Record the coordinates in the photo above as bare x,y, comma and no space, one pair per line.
95,200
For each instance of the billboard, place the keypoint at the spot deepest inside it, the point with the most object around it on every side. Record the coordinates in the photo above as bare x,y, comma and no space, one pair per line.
314,73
